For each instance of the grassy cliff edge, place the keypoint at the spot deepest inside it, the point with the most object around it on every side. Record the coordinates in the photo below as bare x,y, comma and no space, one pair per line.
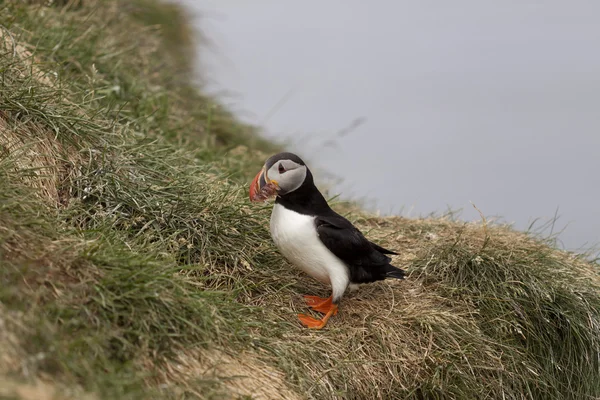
133,266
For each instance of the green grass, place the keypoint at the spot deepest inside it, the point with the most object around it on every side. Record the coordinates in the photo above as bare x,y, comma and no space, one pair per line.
133,266
529,299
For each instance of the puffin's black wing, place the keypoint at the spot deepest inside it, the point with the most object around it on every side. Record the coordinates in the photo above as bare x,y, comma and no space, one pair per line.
382,250
365,260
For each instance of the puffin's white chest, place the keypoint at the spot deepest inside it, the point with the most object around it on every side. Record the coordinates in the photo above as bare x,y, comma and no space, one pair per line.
296,237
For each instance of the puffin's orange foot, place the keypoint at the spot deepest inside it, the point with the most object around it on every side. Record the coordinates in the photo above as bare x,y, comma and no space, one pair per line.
314,300
325,307
314,323
319,304
311,322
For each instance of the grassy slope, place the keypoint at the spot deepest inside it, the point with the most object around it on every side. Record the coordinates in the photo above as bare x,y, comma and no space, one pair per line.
132,265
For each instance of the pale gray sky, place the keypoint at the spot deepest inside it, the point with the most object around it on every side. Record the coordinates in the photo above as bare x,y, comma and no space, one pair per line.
497,103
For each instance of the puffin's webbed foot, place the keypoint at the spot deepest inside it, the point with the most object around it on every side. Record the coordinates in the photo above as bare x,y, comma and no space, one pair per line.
314,300
320,304
329,309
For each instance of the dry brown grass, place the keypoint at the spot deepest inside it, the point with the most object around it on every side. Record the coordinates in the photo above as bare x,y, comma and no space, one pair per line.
18,52
235,375
34,149
30,144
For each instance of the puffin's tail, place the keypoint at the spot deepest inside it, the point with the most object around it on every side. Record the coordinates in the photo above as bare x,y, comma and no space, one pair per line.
393,272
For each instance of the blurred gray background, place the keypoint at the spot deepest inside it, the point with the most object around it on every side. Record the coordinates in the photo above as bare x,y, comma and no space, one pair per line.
418,107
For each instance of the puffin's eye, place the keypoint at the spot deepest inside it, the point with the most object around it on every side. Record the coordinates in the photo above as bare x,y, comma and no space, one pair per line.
281,169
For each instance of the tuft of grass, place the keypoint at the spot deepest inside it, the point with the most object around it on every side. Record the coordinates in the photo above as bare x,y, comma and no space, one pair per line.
133,266
130,61
94,308
543,305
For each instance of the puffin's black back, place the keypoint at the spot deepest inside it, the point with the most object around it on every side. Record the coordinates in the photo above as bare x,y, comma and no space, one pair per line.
366,261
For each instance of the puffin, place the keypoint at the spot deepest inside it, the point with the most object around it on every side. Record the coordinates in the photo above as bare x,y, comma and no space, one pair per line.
316,239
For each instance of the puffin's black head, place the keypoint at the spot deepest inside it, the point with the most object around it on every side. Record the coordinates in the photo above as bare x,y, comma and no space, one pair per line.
282,174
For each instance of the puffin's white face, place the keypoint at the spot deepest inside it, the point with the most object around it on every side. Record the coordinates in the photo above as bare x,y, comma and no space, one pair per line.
287,175
282,174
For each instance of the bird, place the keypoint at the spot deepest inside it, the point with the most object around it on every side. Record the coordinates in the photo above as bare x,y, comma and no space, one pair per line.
316,239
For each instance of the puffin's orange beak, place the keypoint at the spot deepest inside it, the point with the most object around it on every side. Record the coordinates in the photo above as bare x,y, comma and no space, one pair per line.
262,187
255,186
